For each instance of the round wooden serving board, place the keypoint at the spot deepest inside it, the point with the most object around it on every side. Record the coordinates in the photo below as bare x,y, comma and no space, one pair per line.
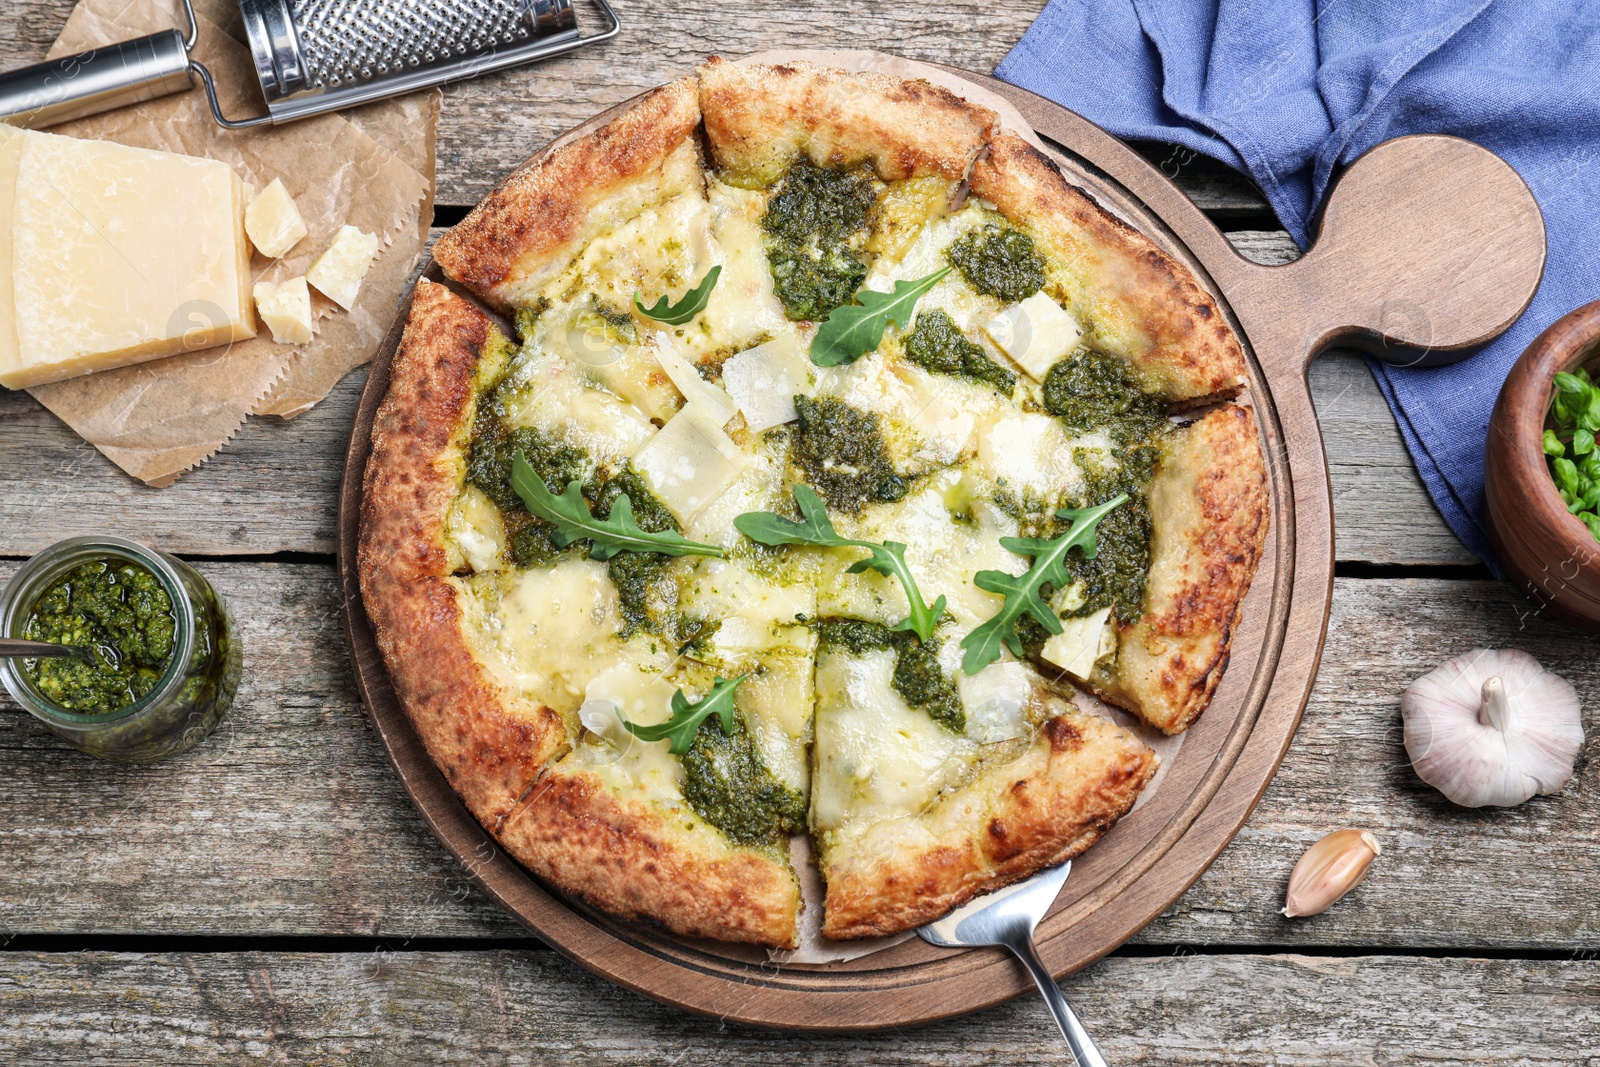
1429,245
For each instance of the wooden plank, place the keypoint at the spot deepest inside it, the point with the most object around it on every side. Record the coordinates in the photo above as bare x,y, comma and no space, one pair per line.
28,28
1381,512
1217,189
509,1007
290,820
272,488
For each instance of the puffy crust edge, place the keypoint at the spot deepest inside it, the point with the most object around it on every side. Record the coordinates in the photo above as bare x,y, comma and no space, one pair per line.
1209,503
505,246
490,743
759,118
1149,309
1080,776
628,859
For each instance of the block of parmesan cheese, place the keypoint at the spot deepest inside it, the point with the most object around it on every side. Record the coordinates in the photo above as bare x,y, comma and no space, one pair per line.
114,255
11,139
337,273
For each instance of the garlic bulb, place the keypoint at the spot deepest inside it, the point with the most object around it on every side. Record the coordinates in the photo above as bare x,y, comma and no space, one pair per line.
1492,727
1329,869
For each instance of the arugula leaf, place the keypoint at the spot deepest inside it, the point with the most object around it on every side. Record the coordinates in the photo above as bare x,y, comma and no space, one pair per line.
693,302
815,528
851,331
573,521
1023,592
687,717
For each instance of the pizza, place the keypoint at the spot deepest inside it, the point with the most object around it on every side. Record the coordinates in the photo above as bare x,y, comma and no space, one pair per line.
781,458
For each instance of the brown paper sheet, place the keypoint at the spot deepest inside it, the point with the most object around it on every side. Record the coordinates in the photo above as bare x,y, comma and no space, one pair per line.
372,169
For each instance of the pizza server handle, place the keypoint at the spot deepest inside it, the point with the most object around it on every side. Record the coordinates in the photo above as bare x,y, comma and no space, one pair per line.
106,78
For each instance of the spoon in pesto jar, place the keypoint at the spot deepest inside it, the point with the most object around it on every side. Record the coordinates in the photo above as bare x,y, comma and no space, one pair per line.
11,646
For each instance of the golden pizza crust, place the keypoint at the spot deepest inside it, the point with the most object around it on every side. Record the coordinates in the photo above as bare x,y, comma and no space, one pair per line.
1081,774
1210,510
531,224
627,857
1137,302
489,742
760,118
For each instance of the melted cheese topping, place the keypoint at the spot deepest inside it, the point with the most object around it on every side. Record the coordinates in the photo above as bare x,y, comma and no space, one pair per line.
475,532
876,757
555,396
555,630
743,306
945,550
653,397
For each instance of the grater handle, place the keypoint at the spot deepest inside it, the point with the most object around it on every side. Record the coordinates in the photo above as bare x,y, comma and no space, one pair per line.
109,77
88,83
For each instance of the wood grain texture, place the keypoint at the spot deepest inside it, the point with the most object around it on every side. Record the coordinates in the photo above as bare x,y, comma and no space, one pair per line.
28,29
290,821
490,124
1381,512
505,1008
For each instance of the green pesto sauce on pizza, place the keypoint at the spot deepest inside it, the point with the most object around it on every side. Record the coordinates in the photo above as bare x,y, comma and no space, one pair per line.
1115,578
999,262
646,591
729,786
841,451
815,225
935,343
529,540
1089,390
918,677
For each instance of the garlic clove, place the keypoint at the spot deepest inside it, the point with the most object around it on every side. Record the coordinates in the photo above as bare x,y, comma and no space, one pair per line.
1492,727
1329,869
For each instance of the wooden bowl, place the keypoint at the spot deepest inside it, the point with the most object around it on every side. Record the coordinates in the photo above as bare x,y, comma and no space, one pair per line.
1543,547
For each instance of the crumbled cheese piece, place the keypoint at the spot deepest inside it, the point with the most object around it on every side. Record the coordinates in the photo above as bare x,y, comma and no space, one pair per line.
716,403
996,701
764,381
1035,333
690,462
272,220
286,309
337,273
1081,643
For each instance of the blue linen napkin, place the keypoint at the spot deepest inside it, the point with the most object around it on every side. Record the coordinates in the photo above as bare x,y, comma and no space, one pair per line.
1288,90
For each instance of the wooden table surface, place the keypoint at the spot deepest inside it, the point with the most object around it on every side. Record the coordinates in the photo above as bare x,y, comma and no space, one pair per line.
273,895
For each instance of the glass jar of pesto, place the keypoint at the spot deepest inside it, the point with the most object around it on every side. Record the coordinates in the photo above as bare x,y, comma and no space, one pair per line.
166,654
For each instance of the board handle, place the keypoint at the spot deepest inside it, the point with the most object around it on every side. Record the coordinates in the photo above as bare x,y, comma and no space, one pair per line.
1428,246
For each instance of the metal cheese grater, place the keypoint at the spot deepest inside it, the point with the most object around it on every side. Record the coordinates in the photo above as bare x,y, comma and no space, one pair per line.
311,56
